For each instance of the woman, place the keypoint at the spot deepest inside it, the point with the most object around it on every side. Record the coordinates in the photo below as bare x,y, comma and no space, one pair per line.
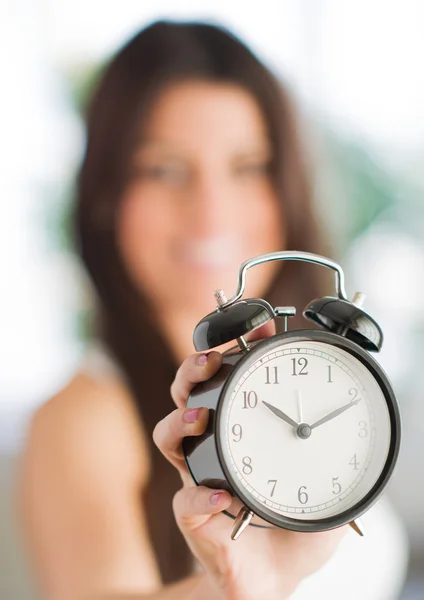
193,163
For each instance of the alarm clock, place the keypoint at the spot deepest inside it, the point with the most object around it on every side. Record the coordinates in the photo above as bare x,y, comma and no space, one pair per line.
304,426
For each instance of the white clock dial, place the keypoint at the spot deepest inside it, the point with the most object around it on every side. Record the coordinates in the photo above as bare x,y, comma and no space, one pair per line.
305,429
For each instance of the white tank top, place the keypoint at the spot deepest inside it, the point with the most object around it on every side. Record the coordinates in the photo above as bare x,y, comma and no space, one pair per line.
372,567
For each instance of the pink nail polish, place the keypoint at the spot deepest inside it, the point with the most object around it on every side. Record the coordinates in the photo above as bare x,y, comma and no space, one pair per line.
191,415
215,498
202,359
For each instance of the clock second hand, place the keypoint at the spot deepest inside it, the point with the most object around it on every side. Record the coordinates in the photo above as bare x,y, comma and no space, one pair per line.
299,405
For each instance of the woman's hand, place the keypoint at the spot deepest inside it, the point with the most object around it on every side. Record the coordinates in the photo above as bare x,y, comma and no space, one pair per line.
263,564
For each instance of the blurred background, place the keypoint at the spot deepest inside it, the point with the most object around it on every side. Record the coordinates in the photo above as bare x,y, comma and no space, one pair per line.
356,70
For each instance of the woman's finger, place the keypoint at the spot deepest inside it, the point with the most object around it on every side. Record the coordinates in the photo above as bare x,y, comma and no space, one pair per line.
193,506
200,367
195,368
169,433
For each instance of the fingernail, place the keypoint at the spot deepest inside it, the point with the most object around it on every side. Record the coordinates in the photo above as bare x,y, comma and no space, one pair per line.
215,498
190,416
202,359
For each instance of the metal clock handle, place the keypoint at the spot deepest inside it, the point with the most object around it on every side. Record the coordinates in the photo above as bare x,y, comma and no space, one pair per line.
288,255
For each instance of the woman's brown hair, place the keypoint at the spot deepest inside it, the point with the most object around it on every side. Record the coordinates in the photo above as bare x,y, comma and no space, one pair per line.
160,54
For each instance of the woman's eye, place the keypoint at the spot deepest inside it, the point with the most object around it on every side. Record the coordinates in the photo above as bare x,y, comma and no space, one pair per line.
165,173
256,168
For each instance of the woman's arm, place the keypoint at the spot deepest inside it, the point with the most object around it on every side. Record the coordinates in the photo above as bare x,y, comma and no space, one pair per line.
196,587
80,495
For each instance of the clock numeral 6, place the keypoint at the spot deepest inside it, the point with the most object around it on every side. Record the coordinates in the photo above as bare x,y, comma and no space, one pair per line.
302,495
299,363
237,431
247,465
250,399
363,430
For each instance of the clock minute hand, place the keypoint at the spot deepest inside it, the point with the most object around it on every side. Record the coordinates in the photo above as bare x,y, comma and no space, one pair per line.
279,413
333,414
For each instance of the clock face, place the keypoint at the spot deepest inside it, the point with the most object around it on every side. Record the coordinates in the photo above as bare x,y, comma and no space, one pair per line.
305,429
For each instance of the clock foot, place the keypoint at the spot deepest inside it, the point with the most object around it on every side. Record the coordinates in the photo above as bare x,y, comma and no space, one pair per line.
242,521
358,527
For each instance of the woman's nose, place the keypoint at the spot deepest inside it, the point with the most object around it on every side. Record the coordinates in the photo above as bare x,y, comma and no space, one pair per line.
212,204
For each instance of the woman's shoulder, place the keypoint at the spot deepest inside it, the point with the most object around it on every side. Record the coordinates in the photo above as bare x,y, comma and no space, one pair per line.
94,420
82,473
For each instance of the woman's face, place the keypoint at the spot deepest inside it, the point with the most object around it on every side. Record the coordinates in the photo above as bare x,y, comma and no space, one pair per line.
200,199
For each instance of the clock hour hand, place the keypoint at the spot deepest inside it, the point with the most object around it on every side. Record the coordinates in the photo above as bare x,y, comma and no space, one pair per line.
279,413
333,414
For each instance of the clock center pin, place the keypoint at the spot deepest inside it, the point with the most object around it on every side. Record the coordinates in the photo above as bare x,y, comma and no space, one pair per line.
303,431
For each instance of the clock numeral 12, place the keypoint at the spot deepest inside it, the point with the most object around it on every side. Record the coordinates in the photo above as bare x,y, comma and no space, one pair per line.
267,369
329,380
302,363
